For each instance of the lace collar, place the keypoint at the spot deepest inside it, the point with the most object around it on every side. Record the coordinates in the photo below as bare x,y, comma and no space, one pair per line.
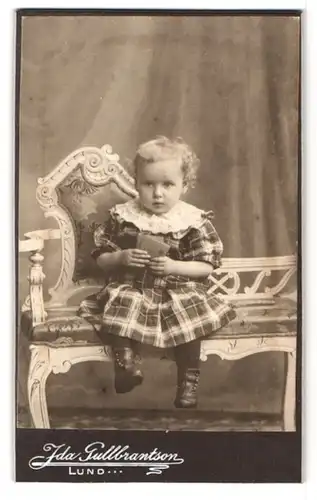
178,220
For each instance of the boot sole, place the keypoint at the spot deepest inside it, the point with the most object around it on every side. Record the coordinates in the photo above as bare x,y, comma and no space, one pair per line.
185,406
124,387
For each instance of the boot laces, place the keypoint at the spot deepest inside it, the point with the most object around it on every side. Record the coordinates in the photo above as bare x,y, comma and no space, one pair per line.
191,385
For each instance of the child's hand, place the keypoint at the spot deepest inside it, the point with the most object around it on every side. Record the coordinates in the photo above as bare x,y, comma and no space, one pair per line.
161,266
134,257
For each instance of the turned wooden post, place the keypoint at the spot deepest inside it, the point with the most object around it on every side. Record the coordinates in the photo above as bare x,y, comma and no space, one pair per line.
36,278
35,301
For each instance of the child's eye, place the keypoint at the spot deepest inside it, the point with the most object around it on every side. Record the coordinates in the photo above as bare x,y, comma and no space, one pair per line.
148,184
168,184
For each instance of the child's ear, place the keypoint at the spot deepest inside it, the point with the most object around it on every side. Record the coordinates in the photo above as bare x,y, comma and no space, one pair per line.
185,187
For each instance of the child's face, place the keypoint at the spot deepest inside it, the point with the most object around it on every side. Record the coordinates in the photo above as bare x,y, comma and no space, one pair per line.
160,185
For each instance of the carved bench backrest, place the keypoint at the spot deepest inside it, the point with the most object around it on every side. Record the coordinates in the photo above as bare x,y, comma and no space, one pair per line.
78,194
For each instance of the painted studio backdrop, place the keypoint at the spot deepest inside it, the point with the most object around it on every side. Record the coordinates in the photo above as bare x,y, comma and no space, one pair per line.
229,86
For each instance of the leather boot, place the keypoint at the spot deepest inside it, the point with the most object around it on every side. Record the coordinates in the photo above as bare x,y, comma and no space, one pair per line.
186,395
127,374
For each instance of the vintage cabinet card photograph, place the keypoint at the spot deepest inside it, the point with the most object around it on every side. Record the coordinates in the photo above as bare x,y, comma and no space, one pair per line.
158,179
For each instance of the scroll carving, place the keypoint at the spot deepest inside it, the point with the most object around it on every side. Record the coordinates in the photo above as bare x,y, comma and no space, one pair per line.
233,349
219,284
281,284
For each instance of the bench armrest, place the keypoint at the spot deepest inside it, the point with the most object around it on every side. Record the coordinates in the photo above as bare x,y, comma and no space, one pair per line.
34,244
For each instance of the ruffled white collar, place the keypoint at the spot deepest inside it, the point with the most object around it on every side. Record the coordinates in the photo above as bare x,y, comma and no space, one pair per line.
178,220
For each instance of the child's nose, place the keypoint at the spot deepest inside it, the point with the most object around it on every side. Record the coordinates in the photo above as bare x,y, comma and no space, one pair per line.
157,191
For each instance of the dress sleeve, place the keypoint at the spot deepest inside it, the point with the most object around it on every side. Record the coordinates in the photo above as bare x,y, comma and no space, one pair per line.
105,237
204,245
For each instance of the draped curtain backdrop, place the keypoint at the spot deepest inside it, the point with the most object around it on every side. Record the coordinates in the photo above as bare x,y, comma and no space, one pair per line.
229,85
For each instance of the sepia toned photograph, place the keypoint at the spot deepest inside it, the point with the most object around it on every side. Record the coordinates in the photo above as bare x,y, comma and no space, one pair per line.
158,180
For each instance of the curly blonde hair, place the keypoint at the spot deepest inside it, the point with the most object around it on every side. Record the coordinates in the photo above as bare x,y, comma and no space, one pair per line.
162,148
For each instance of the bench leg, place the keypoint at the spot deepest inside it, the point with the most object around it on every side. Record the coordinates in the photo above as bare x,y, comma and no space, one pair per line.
290,392
39,370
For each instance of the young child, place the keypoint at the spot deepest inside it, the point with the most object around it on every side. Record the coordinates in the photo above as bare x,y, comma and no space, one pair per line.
161,300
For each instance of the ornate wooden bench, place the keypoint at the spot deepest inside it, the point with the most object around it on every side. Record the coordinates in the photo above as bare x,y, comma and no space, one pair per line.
77,194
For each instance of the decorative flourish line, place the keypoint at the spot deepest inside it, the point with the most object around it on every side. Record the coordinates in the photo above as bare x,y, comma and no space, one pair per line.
154,468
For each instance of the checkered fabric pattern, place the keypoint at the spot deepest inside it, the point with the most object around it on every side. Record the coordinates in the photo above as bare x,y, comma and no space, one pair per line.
160,311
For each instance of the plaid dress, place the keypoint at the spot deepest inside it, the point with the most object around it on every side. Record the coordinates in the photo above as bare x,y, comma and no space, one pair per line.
163,311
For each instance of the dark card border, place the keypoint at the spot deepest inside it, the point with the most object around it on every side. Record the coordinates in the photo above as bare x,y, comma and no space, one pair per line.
209,457
215,457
